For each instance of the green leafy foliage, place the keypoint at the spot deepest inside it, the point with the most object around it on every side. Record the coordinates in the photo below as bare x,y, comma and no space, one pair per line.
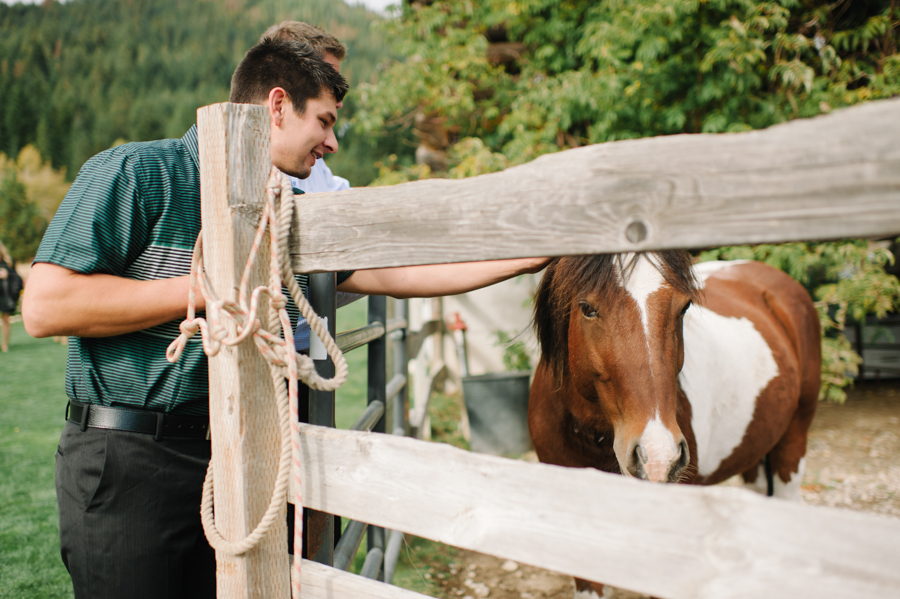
78,76
44,185
592,72
848,281
515,352
21,223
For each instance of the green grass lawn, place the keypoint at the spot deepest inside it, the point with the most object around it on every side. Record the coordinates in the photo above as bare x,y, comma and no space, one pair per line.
350,398
32,406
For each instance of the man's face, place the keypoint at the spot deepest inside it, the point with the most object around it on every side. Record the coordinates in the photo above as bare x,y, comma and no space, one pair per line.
298,140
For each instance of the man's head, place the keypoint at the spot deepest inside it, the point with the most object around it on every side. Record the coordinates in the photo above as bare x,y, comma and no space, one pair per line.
301,92
328,47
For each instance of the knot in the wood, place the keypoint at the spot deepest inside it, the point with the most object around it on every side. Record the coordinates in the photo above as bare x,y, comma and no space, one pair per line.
636,231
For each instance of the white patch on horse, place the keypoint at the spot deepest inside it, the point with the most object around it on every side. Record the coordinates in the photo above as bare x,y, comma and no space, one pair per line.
727,363
789,490
592,594
641,281
759,485
661,450
703,270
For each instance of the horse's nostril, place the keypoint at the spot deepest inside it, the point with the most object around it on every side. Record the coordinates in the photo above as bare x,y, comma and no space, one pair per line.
684,454
680,463
639,455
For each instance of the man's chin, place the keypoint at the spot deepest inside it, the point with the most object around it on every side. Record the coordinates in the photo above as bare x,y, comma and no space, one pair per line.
303,173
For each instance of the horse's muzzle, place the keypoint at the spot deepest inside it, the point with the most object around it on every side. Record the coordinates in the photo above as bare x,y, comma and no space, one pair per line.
646,467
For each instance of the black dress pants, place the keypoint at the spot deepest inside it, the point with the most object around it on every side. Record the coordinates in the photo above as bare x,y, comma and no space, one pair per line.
129,515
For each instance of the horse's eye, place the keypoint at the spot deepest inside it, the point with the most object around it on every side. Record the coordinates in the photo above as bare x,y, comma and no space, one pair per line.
588,310
686,306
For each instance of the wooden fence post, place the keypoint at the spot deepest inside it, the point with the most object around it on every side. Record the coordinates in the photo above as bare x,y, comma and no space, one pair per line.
234,167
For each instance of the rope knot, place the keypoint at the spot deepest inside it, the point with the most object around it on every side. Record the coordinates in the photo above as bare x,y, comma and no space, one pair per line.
278,302
306,368
189,328
218,332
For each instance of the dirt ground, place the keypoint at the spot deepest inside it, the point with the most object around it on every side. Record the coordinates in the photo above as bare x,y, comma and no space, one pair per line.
853,461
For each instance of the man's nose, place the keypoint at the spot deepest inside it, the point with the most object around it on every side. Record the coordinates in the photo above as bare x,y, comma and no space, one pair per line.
331,142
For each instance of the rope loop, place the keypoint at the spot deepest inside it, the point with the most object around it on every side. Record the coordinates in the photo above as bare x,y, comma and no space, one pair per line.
277,348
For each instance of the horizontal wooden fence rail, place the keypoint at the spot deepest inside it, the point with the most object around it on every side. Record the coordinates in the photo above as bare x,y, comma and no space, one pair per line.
672,541
834,176
323,582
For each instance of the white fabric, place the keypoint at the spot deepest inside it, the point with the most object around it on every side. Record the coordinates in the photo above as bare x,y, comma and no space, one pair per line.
320,179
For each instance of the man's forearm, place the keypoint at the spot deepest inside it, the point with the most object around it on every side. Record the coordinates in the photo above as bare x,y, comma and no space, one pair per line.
59,301
435,280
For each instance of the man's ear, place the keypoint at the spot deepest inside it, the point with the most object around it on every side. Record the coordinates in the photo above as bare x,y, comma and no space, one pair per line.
278,104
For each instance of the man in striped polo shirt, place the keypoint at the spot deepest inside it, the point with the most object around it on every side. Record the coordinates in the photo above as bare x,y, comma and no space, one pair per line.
112,273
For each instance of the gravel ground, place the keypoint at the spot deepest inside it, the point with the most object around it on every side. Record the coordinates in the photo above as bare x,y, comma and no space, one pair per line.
853,462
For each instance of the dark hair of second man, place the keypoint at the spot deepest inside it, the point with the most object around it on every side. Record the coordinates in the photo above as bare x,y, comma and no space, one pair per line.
289,64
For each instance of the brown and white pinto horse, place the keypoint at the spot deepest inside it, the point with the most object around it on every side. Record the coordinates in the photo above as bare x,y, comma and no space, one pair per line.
659,370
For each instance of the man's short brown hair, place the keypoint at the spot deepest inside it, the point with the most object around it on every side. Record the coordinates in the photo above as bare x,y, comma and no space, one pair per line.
321,41
291,65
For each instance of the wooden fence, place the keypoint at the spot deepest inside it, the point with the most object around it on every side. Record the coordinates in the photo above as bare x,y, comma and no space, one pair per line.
830,177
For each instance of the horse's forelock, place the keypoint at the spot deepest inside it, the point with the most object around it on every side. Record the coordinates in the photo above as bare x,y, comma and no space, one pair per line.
570,277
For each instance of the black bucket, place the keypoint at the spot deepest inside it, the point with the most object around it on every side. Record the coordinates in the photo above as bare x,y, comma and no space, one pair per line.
497,405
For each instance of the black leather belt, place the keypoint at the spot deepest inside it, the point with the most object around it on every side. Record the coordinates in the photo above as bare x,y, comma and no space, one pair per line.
157,424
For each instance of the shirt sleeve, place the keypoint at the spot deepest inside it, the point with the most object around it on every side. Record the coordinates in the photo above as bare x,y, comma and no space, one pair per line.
101,226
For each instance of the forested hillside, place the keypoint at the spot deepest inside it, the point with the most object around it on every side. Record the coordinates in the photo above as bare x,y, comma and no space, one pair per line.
78,77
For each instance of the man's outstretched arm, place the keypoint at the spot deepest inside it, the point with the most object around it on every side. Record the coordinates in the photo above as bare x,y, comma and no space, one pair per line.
59,301
436,280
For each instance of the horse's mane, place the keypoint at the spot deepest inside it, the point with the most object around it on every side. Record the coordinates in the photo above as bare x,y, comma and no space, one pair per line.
570,277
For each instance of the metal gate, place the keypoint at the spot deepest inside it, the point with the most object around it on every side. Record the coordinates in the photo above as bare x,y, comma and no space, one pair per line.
383,397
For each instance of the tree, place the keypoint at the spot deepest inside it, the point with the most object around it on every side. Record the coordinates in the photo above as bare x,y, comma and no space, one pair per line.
44,186
498,82
77,76
529,77
21,223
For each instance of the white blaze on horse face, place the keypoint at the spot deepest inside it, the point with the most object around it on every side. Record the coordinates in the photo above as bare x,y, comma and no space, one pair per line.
660,447
642,282
727,363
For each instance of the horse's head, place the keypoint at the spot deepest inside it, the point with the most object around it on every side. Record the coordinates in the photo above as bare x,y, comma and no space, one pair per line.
611,327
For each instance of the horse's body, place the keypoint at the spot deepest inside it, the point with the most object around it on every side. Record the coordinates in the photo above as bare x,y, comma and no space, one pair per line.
657,371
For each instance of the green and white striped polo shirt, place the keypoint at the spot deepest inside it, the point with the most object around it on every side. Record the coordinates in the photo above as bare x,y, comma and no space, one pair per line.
134,212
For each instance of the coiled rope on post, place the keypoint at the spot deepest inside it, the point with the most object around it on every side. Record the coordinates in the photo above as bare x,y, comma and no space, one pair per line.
277,349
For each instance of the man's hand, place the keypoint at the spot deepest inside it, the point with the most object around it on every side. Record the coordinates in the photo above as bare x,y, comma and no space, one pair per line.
62,302
436,280
3,274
